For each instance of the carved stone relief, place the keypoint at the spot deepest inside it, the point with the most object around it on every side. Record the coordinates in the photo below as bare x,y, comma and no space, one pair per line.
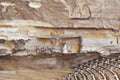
81,10
59,45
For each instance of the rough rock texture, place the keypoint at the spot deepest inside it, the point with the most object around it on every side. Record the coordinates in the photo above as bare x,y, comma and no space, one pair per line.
65,13
31,40
34,74
44,61
47,25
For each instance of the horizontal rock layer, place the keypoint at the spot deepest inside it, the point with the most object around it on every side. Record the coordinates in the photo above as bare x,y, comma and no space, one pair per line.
33,40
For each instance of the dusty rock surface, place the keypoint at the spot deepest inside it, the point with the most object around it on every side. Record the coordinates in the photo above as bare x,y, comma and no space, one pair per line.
63,13
34,74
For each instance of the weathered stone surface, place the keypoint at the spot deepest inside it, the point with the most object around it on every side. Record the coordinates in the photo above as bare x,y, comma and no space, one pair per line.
47,24
55,34
34,39
19,45
44,61
89,14
3,51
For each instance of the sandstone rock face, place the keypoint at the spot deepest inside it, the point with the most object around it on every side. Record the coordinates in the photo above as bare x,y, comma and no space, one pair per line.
44,26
